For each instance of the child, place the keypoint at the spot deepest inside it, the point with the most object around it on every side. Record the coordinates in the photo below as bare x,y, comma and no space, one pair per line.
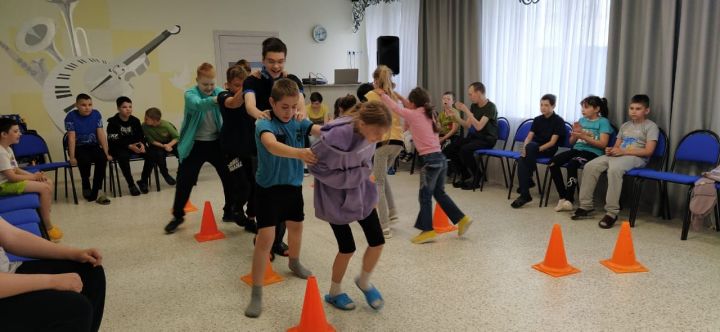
316,111
344,192
162,138
421,119
62,290
200,143
125,138
449,130
87,144
387,151
547,130
590,136
344,104
482,116
237,140
280,143
635,143
15,181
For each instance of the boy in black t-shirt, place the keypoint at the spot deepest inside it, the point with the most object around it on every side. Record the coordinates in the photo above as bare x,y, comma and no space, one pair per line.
546,133
256,92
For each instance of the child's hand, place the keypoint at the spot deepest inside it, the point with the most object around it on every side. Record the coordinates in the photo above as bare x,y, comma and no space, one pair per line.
39,176
617,152
459,105
607,151
109,157
307,156
66,282
167,147
73,162
91,256
263,115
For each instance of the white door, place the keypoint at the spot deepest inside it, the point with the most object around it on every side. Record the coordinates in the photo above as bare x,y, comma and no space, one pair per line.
231,46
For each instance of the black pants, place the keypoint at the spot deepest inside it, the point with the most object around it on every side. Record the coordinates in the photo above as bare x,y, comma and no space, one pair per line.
370,226
250,167
240,185
189,169
53,310
462,154
122,157
572,159
87,155
527,165
155,156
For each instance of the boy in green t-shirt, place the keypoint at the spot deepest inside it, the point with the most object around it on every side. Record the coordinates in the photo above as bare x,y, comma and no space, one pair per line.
162,138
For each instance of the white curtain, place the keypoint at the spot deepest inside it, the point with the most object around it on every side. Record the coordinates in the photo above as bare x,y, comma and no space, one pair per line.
399,18
553,46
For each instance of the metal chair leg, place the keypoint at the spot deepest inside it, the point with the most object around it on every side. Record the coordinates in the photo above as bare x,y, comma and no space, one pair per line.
512,178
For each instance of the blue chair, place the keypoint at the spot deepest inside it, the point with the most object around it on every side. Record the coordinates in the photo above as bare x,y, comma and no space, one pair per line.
34,146
547,183
503,135
700,147
19,202
19,217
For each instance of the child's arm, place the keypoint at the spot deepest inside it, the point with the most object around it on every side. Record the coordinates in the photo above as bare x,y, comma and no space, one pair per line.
12,284
17,175
102,137
251,108
235,100
315,130
647,152
601,143
195,104
528,139
553,141
281,150
450,134
22,243
71,147
393,106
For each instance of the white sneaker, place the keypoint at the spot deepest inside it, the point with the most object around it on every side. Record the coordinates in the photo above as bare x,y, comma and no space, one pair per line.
564,205
387,233
559,205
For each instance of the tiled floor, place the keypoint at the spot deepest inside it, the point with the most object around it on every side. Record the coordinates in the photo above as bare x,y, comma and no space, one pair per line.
482,282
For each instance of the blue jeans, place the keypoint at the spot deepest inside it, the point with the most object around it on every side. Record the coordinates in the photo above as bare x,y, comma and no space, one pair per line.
432,184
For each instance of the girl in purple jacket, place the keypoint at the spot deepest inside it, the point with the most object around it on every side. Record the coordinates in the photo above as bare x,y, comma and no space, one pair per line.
345,192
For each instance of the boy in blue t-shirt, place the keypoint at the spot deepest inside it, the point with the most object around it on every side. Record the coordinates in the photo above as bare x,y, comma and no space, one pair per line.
281,151
87,144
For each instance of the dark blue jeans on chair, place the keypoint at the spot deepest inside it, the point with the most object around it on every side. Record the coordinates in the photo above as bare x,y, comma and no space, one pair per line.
432,184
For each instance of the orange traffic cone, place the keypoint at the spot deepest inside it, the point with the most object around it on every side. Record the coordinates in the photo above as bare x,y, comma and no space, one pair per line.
555,263
208,228
623,258
313,315
189,207
270,276
441,224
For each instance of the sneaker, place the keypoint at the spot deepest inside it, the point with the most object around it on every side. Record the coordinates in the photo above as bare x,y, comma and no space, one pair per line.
86,194
564,205
463,225
607,221
460,183
237,218
102,200
424,237
387,233
55,234
520,201
134,190
169,179
581,213
142,184
394,220
173,225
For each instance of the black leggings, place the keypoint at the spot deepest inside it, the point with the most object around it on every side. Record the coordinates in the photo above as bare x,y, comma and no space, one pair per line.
572,159
53,310
371,228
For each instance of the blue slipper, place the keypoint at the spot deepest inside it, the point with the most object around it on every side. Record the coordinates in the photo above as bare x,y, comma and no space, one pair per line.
373,297
341,301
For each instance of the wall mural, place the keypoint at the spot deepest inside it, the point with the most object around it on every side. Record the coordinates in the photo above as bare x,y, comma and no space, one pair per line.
79,72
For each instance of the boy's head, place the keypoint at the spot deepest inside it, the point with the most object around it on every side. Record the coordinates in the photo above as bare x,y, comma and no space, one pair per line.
206,78
362,90
274,52
448,99
153,116
476,92
9,131
244,64
547,104
344,104
316,99
284,99
236,75
84,104
639,107
124,106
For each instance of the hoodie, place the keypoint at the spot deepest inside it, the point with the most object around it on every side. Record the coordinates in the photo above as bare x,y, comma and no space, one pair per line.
123,133
343,190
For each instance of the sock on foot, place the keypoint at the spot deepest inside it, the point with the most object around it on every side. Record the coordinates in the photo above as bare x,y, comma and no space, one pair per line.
364,280
255,307
335,288
298,269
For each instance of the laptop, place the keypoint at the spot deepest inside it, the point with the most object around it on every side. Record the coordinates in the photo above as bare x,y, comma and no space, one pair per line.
346,76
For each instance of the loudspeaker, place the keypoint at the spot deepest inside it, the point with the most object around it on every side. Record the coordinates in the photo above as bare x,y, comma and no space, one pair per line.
388,52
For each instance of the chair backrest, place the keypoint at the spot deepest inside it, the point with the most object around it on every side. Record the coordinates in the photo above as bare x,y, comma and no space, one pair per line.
30,145
522,132
566,139
503,131
699,146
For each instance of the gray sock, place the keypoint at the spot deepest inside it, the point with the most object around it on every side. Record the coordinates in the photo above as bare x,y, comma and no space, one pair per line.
298,269
255,307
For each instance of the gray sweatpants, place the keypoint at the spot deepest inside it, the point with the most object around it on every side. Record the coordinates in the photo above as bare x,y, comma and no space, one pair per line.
616,168
384,157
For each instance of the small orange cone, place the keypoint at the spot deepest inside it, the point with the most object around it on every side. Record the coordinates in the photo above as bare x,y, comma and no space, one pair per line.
189,207
270,276
555,263
441,224
313,315
208,228
623,258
